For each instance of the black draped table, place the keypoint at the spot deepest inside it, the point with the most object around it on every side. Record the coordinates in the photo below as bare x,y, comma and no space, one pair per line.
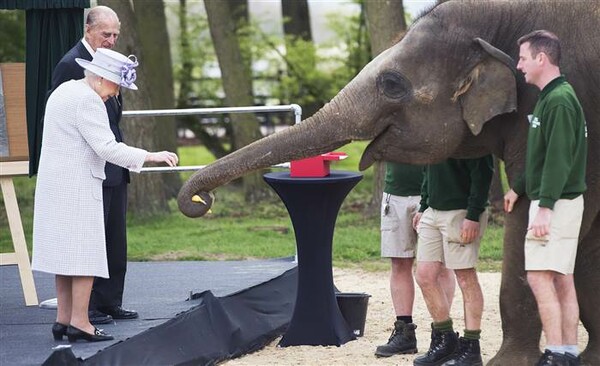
313,205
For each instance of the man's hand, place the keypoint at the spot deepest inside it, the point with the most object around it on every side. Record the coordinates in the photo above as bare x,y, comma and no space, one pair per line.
416,220
509,200
540,227
469,231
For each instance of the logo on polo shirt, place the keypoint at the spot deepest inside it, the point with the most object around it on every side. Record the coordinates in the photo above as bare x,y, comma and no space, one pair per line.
534,121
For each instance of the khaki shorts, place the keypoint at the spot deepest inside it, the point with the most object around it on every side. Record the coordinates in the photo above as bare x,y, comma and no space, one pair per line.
398,238
439,239
557,251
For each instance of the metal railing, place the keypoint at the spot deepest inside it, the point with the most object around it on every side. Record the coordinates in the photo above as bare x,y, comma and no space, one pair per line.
295,108
189,111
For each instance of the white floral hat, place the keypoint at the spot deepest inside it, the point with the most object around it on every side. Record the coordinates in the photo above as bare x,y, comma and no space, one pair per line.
112,66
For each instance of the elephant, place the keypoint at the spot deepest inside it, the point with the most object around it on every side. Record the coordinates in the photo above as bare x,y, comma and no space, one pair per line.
449,88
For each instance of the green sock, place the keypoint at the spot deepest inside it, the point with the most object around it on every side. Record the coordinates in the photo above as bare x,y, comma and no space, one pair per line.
472,334
445,326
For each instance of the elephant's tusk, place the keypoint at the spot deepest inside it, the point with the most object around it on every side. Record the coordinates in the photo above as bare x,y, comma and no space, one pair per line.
197,199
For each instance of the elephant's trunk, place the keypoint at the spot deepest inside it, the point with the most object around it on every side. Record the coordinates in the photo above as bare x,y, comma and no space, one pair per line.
318,134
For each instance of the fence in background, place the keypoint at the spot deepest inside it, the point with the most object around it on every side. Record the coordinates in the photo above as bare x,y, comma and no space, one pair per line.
295,108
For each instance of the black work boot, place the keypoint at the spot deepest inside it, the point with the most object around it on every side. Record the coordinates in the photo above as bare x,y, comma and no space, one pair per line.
550,358
572,359
402,341
468,354
442,348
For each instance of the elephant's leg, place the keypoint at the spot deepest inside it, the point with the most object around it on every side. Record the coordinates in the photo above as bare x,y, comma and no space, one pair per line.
521,326
587,281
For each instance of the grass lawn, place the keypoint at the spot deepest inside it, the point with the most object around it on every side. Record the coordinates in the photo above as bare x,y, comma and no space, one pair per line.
236,230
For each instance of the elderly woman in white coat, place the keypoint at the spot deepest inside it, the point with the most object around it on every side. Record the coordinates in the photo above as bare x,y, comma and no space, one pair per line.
68,228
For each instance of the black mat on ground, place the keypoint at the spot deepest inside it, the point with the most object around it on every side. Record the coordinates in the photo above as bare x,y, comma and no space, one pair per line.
217,329
158,290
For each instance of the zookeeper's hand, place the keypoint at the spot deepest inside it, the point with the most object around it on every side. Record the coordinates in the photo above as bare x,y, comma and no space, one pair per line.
163,157
509,200
469,231
416,219
540,226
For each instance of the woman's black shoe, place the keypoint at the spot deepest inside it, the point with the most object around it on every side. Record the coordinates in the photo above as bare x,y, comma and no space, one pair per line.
58,331
74,334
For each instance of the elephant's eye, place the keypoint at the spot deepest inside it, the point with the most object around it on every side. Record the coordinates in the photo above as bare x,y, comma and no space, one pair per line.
394,85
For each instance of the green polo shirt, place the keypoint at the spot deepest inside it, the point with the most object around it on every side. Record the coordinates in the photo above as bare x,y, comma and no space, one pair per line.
403,179
458,184
556,147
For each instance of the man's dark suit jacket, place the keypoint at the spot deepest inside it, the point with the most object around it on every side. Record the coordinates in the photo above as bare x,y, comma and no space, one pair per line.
68,69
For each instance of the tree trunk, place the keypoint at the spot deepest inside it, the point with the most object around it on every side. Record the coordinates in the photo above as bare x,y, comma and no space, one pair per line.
358,56
239,13
146,193
237,84
151,26
296,19
185,79
385,19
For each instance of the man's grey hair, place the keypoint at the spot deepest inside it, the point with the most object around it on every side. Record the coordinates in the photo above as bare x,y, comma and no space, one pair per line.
97,13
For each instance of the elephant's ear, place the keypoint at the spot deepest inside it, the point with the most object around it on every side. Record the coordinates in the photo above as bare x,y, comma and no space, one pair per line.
489,90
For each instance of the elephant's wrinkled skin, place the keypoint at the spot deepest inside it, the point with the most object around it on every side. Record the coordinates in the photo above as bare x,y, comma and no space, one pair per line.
448,89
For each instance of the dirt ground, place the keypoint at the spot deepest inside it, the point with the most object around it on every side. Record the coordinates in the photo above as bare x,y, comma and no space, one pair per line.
379,325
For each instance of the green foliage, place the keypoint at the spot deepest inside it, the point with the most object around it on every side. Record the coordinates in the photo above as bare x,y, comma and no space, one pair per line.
308,74
351,32
297,71
302,82
199,55
12,36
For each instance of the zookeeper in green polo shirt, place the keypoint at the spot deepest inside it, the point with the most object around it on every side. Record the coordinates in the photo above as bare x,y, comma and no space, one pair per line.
400,203
554,181
450,225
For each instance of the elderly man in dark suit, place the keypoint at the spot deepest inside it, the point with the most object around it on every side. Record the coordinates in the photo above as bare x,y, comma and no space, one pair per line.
101,31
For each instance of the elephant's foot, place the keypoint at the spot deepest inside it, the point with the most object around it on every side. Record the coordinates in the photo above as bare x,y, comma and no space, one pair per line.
515,353
591,354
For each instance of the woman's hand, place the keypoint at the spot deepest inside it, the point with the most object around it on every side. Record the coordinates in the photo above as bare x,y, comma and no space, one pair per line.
162,157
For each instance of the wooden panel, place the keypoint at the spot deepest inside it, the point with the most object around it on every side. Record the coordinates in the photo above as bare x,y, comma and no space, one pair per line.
13,168
8,259
13,84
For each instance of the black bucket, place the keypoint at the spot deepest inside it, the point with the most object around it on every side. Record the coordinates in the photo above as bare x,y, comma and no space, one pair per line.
353,307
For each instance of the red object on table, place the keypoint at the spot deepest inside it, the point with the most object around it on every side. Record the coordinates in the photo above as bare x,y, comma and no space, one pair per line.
315,167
